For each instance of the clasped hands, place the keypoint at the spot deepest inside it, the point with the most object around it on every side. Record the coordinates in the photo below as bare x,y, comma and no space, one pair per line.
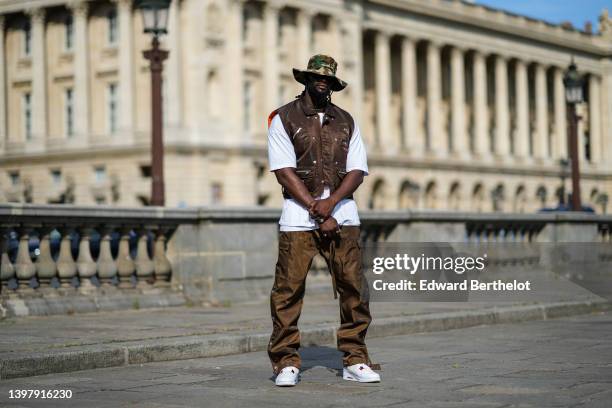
321,211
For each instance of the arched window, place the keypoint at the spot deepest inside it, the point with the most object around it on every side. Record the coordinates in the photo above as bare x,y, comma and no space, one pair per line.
454,197
431,195
520,200
378,197
498,198
213,101
409,195
478,198
541,196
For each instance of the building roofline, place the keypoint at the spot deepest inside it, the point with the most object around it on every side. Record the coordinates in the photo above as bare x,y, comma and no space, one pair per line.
526,17
501,21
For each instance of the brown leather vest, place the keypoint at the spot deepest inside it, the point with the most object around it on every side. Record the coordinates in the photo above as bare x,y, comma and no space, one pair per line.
320,150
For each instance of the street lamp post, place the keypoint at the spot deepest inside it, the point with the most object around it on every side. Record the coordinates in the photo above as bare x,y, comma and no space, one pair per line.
564,163
574,82
155,18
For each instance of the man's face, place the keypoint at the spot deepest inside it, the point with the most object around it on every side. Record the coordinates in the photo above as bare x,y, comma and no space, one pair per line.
319,84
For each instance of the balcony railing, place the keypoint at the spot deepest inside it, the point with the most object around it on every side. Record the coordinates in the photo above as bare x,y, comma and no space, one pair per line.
53,253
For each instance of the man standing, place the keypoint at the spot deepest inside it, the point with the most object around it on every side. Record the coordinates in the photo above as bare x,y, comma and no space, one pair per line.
316,152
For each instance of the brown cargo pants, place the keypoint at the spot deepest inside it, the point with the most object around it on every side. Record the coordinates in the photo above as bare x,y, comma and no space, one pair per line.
296,249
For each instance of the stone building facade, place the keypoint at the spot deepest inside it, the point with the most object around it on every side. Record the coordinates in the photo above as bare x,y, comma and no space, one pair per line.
461,106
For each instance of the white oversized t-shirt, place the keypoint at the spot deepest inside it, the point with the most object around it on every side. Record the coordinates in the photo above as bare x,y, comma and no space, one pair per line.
281,154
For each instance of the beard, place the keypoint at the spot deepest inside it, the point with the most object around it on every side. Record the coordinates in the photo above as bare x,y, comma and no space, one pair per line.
319,97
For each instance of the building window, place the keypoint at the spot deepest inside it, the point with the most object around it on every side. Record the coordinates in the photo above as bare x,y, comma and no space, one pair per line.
27,115
56,176
100,174
282,91
112,108
68,33
69,112
145,170
248,99
27,39
216,193
15,179
111,19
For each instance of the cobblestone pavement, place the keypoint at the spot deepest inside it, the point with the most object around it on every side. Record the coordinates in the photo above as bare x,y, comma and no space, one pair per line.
553,363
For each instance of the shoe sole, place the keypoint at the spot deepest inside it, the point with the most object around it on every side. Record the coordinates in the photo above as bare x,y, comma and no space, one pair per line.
349,377
286,383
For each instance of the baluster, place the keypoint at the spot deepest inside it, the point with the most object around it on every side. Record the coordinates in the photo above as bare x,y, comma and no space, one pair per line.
7,270
160,260
24,267
125,264
46,268
144,264
107,268
66,267
86,266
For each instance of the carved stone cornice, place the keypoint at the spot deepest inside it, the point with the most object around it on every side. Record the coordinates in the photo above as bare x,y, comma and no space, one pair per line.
36,14
78,7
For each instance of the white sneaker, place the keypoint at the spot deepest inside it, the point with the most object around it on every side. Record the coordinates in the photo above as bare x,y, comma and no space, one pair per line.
287,377
360,373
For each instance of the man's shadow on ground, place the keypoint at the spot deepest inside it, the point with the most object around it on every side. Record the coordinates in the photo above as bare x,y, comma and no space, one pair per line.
320,356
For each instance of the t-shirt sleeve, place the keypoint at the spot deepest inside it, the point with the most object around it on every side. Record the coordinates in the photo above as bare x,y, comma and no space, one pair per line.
357,158
281,153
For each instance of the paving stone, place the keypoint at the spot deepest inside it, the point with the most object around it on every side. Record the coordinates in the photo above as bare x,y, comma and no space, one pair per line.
489,366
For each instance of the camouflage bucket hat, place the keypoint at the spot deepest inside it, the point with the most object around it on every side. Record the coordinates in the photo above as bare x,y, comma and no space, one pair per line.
322,65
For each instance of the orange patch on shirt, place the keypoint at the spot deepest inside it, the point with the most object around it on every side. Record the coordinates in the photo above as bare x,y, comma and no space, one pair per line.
271,116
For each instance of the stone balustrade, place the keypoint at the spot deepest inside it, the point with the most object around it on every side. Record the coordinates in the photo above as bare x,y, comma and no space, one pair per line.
58,253
69,252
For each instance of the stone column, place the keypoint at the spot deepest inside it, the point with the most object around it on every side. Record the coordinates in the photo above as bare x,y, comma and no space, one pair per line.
355,30
595,117
481,122
383,93
81,69
270,60
582,111
412,141
459,133
337,52
437,143
234,71
195,72
541,141
522,110
560,143
304,35
502,136
39,82
607,113
173,82
3,99
126,66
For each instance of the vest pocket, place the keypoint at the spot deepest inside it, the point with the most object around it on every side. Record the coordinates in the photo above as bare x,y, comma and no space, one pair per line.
304,173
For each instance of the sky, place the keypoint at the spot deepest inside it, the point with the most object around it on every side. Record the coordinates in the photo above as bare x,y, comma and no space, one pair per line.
555,11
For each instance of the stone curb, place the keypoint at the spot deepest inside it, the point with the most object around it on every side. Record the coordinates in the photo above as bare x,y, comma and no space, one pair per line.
126,353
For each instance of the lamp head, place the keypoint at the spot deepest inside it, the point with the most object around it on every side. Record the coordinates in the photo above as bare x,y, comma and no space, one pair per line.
574,83
154,15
